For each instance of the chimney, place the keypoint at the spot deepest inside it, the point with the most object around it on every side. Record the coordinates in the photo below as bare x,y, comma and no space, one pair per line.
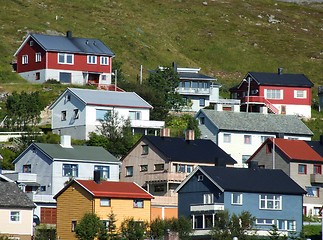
66,141
253,165
69,34
280,71
321,139
189,135
165,132
97,176
175,66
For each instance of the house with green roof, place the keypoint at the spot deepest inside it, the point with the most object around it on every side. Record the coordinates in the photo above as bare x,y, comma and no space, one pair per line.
241,133
43,169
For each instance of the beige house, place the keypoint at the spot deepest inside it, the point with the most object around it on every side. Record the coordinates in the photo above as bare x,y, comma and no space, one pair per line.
16,211
302,161
160,163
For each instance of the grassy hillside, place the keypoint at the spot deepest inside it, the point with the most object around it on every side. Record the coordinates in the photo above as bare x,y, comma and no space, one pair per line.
226,38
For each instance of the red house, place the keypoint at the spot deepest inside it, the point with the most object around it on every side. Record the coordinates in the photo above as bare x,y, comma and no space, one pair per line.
66,59
277,93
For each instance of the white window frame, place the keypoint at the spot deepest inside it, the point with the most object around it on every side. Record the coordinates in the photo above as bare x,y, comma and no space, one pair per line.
286,225
63,115
137,115
91,59
225,140
18,216
65,55
24,59
105,202
301,94
276,198
70,168
240,200
38,57
245,137
264,221
104,60
272,94
208,198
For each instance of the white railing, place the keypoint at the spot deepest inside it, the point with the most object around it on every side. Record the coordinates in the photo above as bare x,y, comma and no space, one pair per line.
183,90
147,124
207,207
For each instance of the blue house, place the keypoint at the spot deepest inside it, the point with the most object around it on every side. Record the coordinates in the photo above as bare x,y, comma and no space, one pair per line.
269,195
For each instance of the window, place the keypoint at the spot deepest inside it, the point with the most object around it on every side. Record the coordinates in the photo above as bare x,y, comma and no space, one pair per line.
202,102
302,169
43,188
104,77
317,169
25,59
91,59
138,203
194,84
283,109
143,168
299,94
68,98
70,170
227,138
316,211
38,57
273,94
198,224
270,202
159,188
14,216
245,158
74,223
100,113
145,149
189,168
65,58
289,225
134,115
26,168
129,171
105,202
76,114
187,84
104,60
200,178
105,223
104,171
208,198
63,115
159,167
264,138
264,221
180,168
313,192
65,77
269,148
236,198
202,120
247,139
37,76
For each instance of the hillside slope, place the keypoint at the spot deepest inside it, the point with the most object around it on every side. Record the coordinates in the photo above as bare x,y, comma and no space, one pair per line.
226,38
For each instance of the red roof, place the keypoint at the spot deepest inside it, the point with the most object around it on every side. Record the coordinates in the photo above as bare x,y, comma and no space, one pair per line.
296,149
115,189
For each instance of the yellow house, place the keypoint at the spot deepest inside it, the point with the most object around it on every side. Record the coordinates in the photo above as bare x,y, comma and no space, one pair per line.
125,199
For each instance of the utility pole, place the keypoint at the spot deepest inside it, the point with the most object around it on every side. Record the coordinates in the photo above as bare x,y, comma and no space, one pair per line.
140,74
248,94
115,80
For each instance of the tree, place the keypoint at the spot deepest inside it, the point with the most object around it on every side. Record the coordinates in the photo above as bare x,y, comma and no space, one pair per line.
89,227
114,134
179,124
112,228
164,82
133,230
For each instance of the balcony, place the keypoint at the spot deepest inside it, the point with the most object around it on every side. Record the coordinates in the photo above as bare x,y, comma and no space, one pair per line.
317,178
147,124
260,100
41,198
193,91
165,177
164,200
22,177
207,207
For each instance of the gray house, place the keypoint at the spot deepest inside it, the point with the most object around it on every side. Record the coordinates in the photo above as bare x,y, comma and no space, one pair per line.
269,195
241,133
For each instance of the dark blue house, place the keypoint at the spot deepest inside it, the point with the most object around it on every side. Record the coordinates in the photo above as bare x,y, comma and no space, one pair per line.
269,195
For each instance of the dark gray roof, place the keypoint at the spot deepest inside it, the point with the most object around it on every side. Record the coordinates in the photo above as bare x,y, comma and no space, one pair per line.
195,76
257,122
281,79
110,98
72,44
196,151
77,152
317,146
12,197
253,180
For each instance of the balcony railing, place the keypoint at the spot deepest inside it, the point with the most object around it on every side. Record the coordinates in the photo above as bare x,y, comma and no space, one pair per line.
164,200
207,207
147,124
22,177
261,99
183,90
165,177
41,197
317,178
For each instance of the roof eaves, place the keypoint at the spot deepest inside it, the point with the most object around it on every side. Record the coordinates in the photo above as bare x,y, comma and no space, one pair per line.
144,190
23,44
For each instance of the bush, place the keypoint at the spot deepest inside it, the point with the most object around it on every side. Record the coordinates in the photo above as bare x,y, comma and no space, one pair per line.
45,233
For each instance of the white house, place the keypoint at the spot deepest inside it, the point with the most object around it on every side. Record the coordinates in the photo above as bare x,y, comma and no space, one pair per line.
77,112
43,169
241,133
